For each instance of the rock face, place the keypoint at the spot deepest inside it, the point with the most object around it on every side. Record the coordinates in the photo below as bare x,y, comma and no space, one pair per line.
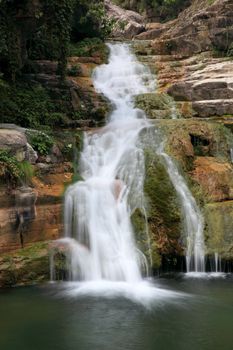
208,89
199,28
127,23
219,237
214,177
29,215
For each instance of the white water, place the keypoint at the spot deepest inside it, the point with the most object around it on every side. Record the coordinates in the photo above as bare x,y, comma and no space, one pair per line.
192,217
98,209
99,238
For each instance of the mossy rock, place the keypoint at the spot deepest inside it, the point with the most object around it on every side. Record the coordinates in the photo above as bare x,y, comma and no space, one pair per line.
156,106
26,266
163,213
219,229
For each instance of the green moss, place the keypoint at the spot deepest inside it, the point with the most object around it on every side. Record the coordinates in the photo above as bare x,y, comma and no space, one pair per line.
161,196
156,106
89,47
219,229
14,172
25,266
163,213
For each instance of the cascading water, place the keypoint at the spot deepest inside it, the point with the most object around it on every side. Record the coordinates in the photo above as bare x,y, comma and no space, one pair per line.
192,217
98,209
101,251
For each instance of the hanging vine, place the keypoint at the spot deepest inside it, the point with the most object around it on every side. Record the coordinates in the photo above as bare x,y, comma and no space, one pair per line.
58,18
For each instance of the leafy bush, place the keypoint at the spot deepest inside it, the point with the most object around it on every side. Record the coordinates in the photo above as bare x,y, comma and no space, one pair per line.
28,105
89,47
13,171
90,20
9,167
41,142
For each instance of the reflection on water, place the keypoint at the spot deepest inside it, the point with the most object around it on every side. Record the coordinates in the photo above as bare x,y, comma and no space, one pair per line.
52,317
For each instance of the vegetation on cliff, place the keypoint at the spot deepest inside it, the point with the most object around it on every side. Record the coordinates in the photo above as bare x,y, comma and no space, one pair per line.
45,30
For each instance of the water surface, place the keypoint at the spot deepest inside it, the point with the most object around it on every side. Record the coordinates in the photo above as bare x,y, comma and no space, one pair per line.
43,317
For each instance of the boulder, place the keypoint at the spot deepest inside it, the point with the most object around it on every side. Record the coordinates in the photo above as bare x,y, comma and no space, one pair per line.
127,23
13,141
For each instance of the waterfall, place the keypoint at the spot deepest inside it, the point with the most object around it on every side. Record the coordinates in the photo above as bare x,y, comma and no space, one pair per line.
218,263
192,217
98,209
99,242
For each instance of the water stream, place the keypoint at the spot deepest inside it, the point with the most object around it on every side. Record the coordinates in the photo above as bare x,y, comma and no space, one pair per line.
98,230
98,209
193,221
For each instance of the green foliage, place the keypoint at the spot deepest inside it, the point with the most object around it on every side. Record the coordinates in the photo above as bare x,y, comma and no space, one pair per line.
41,142
13,171
10,51
59,14
88,47
90,20
27,171
27,105
46,34
74,71
9,167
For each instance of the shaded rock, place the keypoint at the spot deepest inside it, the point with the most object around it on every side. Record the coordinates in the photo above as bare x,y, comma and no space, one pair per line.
25,199
199,28
211,108
127,23
150,34
13,141
45,66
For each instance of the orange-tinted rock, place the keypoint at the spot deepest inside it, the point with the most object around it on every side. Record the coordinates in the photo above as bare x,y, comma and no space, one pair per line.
214,177
45,219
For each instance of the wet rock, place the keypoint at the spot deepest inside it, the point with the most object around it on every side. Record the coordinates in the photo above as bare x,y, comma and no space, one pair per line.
156,106
25,199
29,265
219,233
31,154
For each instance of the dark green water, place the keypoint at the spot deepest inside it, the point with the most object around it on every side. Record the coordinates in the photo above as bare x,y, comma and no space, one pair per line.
36,318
